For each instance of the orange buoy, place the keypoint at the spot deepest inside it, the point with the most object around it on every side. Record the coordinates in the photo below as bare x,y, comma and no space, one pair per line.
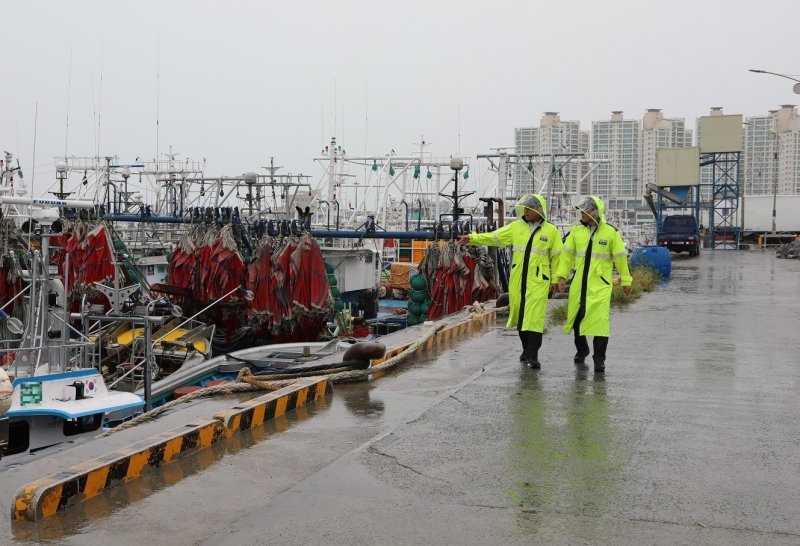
182,391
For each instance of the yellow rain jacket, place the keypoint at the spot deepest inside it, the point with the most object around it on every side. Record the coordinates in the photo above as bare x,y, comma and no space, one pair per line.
591,286
534,259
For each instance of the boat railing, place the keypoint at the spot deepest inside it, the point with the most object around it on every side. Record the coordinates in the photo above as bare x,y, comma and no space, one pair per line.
148,354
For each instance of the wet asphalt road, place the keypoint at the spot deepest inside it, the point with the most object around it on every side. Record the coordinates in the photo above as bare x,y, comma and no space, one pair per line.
692,437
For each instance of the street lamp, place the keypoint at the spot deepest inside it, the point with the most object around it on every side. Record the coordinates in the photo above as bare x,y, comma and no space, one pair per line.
778,144
795,88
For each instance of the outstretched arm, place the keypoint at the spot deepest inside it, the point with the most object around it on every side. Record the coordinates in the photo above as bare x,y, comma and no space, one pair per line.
499,237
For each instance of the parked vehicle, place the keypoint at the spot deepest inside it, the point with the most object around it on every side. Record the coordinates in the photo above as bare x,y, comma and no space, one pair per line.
680,233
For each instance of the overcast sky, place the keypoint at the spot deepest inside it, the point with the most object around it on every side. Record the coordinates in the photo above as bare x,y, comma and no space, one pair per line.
236,82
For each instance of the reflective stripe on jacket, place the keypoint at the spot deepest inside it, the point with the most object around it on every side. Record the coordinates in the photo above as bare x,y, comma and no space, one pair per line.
545,248
607,251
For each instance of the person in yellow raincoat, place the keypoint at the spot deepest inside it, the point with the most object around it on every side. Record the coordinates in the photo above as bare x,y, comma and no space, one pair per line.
536,244
592,248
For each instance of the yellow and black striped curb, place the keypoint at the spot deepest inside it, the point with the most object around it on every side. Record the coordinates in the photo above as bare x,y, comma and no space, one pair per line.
47,496
255,412
478,321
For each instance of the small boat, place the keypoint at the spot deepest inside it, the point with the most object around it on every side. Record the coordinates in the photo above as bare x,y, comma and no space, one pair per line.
200,372
266,360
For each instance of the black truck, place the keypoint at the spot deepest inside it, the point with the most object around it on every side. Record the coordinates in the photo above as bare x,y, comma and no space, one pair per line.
680,232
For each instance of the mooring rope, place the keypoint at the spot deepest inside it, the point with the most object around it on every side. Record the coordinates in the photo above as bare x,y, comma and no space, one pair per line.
357,375
247,382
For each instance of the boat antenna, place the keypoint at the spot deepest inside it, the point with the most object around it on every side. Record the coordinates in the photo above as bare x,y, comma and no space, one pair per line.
94,113
158,92
100,100
33,175
33,167
459,129
366,123
335,109
69,89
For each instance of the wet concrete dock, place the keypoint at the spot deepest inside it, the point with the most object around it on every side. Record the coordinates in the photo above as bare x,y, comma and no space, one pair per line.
691,437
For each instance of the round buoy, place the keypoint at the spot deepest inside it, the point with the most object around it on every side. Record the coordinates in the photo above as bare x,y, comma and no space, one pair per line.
332,280
182,391
418,282
329,268
414,308
424,306
335,292
418,296
338,304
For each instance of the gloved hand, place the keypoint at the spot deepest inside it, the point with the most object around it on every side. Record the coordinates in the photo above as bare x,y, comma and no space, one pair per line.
464,239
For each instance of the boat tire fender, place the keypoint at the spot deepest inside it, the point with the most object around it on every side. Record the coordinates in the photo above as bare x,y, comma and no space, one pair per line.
364,350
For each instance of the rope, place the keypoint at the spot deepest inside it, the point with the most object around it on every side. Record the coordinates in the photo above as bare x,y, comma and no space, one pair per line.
348,375
358,375
306,374
245,382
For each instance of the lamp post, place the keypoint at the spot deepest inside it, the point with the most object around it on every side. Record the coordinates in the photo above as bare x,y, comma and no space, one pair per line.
775,181
795,87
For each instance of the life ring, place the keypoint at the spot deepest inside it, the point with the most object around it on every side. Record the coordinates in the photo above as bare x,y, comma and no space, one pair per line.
364,350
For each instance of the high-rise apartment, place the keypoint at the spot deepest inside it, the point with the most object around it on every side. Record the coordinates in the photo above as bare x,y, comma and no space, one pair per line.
553,136
619,141
760,168
772,152
787,127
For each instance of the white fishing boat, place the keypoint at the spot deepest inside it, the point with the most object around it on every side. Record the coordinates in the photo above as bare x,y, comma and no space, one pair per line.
54,398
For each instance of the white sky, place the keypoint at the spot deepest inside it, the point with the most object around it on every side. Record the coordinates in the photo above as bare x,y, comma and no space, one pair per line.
241,81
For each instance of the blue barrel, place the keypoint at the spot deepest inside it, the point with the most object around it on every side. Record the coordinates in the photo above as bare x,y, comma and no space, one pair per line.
654,257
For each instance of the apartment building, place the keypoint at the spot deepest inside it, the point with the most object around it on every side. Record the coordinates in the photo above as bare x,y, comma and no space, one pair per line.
618,182
552,136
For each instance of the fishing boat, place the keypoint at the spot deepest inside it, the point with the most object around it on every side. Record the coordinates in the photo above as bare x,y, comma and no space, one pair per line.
54,398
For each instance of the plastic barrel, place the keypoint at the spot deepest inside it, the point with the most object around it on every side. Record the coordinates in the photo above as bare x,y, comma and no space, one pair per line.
654,257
